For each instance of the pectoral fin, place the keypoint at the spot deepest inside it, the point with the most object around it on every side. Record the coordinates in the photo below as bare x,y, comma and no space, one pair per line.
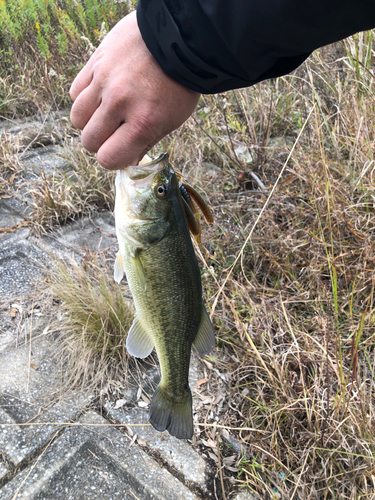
138,343
205,340
139,270
119,268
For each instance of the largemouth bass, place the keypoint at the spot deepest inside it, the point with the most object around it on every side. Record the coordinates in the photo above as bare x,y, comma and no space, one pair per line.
157,255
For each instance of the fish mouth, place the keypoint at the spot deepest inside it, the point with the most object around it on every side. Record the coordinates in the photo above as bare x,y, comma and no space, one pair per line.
137,179
144,170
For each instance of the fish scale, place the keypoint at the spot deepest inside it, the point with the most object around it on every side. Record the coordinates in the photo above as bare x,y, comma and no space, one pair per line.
172,299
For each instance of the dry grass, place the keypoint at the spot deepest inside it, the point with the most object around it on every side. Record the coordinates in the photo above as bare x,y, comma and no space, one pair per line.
9,161
85,188
93,323
296,318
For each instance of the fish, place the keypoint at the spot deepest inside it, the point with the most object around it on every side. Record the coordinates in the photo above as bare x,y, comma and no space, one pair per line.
157,256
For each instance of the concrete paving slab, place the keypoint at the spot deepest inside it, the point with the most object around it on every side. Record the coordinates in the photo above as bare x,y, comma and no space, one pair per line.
29,392
8,239
3,471
96,232
6,337
12,212
94,462
33,129
48,159
177,453
20,267
19,443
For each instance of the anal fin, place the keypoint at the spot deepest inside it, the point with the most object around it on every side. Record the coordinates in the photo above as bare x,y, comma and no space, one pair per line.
138,343
205,340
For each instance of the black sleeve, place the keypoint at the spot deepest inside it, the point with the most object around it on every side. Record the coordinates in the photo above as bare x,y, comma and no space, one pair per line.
215,45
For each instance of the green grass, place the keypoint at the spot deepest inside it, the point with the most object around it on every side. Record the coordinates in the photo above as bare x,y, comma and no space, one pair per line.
43,45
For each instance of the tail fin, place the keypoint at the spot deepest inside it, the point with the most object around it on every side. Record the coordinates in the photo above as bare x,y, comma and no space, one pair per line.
175,417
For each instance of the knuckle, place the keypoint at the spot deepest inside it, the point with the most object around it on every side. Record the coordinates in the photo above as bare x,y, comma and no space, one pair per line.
145,127
115,97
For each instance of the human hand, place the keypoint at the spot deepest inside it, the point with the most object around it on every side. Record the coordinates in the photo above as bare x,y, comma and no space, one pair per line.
123,101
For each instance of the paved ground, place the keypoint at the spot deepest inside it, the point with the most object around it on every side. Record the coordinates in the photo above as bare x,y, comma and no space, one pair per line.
65,446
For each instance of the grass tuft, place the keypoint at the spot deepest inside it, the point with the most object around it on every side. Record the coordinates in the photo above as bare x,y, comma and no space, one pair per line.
93,323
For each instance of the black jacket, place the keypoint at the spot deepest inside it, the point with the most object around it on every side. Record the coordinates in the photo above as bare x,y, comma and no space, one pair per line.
215,45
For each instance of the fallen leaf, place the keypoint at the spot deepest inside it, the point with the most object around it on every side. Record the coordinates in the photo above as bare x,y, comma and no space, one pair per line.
225,434
214,457
141,442
119,403
145,399
142,404
232,469
201,381
210,443
13,312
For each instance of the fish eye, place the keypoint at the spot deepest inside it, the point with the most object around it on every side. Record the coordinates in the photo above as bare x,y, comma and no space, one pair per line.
161,190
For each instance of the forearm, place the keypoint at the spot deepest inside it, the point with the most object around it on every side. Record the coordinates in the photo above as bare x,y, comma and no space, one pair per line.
215,45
